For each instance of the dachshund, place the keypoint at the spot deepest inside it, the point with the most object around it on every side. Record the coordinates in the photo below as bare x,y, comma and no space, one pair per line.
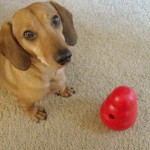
34,54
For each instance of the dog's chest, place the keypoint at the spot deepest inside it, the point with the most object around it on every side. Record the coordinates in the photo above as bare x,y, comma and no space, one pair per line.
52,78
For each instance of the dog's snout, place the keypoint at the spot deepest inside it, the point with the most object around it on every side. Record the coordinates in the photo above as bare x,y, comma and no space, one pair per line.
63,56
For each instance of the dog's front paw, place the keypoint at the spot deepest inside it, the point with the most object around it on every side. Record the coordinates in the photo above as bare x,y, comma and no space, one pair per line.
69,91
37,113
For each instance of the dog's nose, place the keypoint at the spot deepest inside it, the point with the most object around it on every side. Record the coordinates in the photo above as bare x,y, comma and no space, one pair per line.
63,56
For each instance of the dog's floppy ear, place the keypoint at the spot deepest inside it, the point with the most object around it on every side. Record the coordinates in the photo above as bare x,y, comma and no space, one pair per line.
11,49
67,21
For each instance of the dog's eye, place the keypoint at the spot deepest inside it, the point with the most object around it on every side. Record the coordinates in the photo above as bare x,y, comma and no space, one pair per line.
29,35
55,21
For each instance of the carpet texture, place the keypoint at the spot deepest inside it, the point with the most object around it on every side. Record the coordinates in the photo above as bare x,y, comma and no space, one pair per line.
113,49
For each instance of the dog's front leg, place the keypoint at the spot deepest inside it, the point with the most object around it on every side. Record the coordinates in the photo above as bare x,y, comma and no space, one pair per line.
65,91
62,89
36,113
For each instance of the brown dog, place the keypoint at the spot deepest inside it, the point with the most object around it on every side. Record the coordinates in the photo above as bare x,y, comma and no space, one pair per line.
34,53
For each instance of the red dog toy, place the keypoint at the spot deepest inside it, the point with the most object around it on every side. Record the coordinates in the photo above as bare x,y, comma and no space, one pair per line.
119,110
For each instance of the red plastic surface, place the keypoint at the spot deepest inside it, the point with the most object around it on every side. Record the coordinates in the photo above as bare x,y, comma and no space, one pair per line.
119,110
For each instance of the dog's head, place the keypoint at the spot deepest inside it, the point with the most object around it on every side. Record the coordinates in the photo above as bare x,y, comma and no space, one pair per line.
42,30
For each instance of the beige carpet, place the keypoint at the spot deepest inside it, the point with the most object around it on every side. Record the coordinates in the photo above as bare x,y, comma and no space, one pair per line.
113,49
